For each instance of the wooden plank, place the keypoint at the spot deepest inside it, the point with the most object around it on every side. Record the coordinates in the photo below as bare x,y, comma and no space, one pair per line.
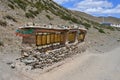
29,40
49,30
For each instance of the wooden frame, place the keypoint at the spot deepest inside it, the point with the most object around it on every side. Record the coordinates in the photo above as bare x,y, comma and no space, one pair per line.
52,36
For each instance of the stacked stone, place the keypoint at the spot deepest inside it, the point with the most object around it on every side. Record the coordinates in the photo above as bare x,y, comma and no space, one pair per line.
35,59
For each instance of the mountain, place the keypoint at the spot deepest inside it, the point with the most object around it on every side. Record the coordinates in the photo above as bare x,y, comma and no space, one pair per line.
97,19
110,19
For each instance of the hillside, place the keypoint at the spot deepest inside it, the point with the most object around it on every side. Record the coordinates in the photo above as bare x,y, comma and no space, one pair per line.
39,11
16,13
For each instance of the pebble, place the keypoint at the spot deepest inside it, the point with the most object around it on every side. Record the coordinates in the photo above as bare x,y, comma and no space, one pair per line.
25,54
12,66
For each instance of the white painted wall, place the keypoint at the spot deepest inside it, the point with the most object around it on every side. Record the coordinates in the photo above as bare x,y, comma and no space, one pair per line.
115,25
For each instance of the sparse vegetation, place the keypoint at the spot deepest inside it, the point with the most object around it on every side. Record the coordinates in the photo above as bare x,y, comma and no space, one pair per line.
33,12
29,15
101,30
39,6
76,20
11,6
49,17
118,29
52,7
118,40
107,27
110,28
3,23
10,18
65,17
96,27
21,3
1,43
87,26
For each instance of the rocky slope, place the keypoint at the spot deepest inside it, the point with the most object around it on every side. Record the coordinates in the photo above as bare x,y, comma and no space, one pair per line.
39,11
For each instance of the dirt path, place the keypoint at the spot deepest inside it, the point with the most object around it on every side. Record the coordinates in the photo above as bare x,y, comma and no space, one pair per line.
6,73
88,67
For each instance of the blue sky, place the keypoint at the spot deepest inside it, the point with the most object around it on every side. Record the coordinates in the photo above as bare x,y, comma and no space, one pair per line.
93,7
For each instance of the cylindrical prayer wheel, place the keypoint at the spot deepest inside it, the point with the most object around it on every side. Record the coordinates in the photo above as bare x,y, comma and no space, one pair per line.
44,39
52,38
56,38
48,38
71,37
39,40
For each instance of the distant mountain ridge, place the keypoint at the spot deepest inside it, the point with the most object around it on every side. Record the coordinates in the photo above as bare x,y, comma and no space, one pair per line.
110,19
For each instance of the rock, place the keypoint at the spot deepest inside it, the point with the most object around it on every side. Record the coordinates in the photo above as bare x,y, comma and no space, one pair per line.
25,54
12,66
37,53
62,55
9,63
29,60
36,59
118,40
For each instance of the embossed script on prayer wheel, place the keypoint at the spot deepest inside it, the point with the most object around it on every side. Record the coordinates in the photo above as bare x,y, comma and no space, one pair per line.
71,37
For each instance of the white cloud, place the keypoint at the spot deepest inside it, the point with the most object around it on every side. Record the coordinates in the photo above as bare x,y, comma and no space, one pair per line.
113,10
96,7
93,4
93,7
62,1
